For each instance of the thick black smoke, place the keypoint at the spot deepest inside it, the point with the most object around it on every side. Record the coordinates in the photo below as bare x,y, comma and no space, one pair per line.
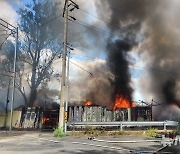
158,20
111,79
119,66
169,91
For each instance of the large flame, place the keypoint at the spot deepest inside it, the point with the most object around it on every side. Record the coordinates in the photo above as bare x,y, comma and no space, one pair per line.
121,102
88,103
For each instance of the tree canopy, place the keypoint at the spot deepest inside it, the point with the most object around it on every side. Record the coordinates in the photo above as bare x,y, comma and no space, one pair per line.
39,45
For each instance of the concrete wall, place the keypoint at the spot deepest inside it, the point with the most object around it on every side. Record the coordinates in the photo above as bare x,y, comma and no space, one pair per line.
15,120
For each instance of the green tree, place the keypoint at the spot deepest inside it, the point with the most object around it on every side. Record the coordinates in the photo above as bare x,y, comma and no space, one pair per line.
40,44
6,63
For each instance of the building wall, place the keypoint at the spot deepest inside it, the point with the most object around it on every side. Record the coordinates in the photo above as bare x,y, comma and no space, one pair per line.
15,120
98,114
95,113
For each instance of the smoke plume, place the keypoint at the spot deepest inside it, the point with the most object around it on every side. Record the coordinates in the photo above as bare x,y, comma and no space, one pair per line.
95,87
155,25
118,64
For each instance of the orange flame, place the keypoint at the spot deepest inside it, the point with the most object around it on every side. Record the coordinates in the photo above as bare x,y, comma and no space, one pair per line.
121,102
88,103
45,120
133,104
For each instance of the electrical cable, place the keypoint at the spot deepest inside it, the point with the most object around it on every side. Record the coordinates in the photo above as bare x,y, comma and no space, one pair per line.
115,26
135,66
82,68
91,74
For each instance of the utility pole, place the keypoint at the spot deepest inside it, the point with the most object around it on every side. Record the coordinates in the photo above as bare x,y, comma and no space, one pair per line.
67,93
14,32
151,109
14,80
63,78
7,102
62,114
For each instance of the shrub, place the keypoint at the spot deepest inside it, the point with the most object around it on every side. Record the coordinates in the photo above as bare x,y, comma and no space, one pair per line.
151,132
58,132
176,132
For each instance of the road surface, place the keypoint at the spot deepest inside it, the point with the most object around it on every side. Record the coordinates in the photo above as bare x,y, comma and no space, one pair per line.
45,143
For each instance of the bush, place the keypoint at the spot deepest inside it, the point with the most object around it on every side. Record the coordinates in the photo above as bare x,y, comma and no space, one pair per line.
176,132
151,132
58,132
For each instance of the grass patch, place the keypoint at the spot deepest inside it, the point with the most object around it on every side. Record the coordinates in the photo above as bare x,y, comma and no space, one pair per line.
121,133
117,133
59,132
89,130
151,132
93,131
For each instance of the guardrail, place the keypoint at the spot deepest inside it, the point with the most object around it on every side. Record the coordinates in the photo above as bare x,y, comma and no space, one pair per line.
122,124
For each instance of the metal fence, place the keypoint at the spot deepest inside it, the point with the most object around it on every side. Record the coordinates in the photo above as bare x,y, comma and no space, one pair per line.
122,124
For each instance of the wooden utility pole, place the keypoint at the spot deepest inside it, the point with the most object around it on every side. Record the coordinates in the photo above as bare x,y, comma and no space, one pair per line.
63,77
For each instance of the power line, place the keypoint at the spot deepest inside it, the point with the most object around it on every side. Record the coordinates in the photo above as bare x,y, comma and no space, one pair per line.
80,62
91,58
27,68
87,66
115,26
101,31
81,68
135,66
44,23
91,74
110,34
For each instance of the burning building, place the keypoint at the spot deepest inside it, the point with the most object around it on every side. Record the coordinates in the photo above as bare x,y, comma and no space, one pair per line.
84,111
121,111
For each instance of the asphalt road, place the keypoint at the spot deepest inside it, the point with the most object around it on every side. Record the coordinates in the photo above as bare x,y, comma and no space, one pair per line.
45,143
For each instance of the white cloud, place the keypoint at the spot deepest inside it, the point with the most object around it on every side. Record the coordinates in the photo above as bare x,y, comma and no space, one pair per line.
7,12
